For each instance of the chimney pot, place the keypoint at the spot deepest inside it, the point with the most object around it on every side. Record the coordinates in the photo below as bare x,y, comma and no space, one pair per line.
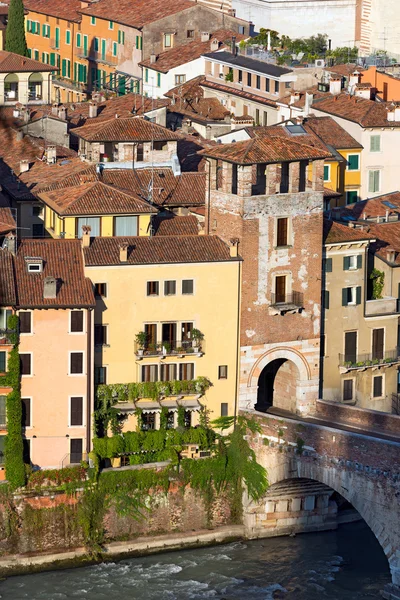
205,36
233,248
11,242
123,252
153,58
86,229
390,255
92,110
23,165
51,154
50,288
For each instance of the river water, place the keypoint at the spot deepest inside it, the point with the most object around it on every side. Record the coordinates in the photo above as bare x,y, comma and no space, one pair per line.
347,564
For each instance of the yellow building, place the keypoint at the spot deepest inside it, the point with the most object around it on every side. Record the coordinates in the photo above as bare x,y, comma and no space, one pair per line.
167,311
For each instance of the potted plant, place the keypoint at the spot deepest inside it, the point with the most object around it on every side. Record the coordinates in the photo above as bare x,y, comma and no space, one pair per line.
167,348
197,337
141,339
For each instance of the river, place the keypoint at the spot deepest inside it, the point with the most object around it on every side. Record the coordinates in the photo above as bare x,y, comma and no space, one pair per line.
347,564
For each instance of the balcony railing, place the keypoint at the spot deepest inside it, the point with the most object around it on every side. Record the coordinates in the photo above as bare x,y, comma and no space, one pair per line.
97,57
287,301
364,361
174,348
381,306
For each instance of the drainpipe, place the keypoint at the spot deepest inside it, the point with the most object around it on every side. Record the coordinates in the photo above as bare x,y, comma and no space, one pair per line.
207,228
89,382
238,341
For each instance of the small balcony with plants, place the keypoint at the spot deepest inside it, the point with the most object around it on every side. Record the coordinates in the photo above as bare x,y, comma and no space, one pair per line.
145,346
368,361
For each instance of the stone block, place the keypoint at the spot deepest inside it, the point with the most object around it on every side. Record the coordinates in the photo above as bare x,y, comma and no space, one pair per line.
295,504
269,506
282,506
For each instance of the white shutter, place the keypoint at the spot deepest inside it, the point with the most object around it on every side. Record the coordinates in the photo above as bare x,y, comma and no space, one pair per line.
371,180
377,181
375,145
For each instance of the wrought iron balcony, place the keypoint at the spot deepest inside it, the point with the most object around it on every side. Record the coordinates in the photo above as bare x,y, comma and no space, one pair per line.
286,302
175,348
365,361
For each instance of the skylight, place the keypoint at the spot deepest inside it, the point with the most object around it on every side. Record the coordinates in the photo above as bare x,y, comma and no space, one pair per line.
295,129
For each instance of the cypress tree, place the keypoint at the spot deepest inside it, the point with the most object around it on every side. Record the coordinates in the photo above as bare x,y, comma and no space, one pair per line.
15,33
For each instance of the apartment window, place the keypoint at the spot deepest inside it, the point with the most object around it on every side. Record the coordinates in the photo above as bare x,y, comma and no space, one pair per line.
257,116
57,38
3,361
348,389
378,336
241,29
168,372
93,20
180,79
266,84
223,372
167,40
76,446
187,286
248,79
100,335
350,346
375,143
224,409
352,263
325,299
110,25
46,30
148,421
125,226
76,323
26,412
378,386
76,411
282,231
4,315
186,371
351,296
265,119
78,40
139,43
353,162
258,82
158,79
25,364
68,36
115,49
280,289
66,68
100,375
121,37
327,265
351,197
146,76
76,363
92,222
100,290
3,411
240,76
276,87
25,322
190,33
149,373
327,172
153,288
36,54
45,58
169,288
374,181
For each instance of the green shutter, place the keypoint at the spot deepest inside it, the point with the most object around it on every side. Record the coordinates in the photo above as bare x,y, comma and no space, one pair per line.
346,263
328,265
358,294
103,49
326,299
75,71
28,25
353,162
44,30
326,172
351,197
375,145
36,55
78,40
2,362
52,59
359,261
146,75
137,42
115,48
344,297
158,79
57,37
63,68
96,44
68,36
85,45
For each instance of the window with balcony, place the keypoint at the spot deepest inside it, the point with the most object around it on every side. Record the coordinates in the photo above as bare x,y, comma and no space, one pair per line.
351,296
76,363
76,448
348,385
25,322
280,289
148,421
153,288
76,411
168,333
26,412
378,336
76,321
350,346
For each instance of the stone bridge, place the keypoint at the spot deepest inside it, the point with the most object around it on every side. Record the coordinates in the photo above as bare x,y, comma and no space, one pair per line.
353,453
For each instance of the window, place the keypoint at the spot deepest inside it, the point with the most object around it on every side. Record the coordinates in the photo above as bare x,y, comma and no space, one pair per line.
92,222
327,265
46,58
100,290
187,286
3,361
258,82
352,263
148,421
25,364
325,299
224,409
348,389
93,20
76,363
76,411
115,49
265,119
375,143
267,85
125,226
158,79
374,181
180,79
36,54
66,68
257,116
153,288
68,36
167,40
327,172
26,451
26,412
223,372
280,289
4,315
100,375
46,30
240,76
3,411
76,447
169,288
100,335
248,79
353,162
241,29
76,324
378,386
139,43
276,87
149,373
121,37
146,76
168,372
110,25
282,231
350,346
351,197
378,336
186,371
25,322
190,33
351,295
78,40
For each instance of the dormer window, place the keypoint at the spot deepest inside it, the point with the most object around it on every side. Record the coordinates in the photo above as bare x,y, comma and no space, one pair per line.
34,265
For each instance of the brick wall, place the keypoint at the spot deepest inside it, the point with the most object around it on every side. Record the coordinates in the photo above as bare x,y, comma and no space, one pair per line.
369,419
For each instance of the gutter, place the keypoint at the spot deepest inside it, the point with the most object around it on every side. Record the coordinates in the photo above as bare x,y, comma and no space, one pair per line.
89,382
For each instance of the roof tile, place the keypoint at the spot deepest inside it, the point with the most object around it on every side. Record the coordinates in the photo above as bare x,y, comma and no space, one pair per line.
133,129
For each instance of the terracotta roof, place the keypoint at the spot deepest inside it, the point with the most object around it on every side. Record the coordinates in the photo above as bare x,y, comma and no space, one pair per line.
175,225
14,63
7,222
374,207
133,129
300,103
366,113
157,250
63,260
331,133
234,92
205,110
56,8
187,189
7,282
344,70
387,237
77,177
268,147
190,51
335,232
94,198
137,14
190,89
247,62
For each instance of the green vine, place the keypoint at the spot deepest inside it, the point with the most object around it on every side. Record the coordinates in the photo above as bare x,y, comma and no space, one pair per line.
181,416
15,468
378,282
164,418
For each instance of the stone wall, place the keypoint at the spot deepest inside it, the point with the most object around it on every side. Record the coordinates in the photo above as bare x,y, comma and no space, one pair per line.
363,418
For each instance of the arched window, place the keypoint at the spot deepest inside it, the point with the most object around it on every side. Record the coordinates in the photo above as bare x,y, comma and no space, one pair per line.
35,84
11,87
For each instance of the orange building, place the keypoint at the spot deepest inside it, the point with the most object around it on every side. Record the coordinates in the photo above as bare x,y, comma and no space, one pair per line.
384,84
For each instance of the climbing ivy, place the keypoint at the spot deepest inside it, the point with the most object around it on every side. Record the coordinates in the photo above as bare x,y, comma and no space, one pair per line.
15,468
378,282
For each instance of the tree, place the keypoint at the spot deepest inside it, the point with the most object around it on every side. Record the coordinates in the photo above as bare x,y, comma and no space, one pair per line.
15,33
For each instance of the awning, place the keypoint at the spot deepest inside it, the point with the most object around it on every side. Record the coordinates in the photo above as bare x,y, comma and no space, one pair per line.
171,403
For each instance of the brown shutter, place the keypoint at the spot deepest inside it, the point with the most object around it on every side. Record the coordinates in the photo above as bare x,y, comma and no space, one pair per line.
25,322
377,343
350,346
77,321
26,412
25,362
77,362
282,232
76,411
76,451
378,386
348,389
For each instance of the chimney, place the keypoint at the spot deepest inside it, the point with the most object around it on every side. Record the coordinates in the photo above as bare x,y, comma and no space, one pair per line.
23,166
234,45
153,58
123,252
11,242
62,113
86,229
308,103
354,79
233,248
51,154
92,110
50,288
294,96
214,45
387,216
205,36
54,109
390,255
19,136
335,85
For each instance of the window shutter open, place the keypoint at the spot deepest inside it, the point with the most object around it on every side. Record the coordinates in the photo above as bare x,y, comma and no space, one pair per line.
359,261
346,263
344,297
358,294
